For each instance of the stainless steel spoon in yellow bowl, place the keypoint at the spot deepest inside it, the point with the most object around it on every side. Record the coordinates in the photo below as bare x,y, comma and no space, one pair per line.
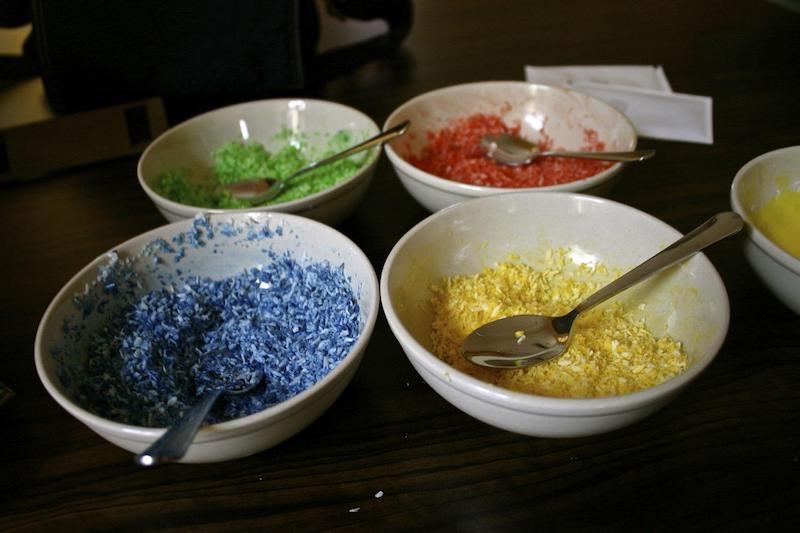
524,340
264,188
514,151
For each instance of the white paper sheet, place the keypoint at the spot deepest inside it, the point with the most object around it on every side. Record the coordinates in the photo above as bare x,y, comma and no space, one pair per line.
640,76
642,93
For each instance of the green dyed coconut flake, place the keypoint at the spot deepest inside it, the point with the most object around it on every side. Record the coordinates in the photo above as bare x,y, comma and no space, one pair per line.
237,161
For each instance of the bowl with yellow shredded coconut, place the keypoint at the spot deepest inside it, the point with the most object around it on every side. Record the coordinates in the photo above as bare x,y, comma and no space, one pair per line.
543,253
766,193
185,169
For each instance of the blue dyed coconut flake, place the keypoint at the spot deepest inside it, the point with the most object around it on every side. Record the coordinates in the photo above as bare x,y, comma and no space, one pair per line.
154,352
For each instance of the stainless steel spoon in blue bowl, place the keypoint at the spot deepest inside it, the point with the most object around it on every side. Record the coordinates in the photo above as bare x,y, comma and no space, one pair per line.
172,445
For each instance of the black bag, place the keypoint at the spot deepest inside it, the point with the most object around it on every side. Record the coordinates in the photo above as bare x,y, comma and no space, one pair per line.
195,55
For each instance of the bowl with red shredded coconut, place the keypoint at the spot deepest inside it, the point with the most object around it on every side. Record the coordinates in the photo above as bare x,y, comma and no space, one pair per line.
440,161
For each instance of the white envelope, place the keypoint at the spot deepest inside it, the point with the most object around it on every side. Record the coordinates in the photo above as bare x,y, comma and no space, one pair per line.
659,115
640,76
642,93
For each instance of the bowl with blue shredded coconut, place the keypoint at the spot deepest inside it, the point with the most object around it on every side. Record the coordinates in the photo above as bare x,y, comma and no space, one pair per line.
134,339
184,170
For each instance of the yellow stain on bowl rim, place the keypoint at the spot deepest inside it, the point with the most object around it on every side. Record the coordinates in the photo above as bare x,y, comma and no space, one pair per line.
779,218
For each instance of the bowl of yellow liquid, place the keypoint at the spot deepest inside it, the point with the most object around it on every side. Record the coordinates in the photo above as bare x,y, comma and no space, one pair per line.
766,193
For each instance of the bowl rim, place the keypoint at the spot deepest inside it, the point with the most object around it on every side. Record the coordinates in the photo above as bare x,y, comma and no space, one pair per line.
228,428
467,189
533,403
300,204
767,245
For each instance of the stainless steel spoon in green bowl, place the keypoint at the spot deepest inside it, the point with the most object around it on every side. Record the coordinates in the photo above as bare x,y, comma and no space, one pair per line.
523,340
515,151
264,188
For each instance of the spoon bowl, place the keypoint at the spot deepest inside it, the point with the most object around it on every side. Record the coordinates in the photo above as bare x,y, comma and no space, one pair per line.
172,445
687,303
567,115
263,189
190,147
515,151
524,340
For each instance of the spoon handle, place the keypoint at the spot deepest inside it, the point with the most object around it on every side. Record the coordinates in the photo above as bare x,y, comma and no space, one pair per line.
173,444
387,135
714,229
637,155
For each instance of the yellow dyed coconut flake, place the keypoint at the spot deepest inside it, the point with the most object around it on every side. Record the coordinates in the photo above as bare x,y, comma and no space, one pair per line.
610,353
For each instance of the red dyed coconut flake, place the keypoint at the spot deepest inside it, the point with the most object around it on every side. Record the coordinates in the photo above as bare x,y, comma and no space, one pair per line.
454,153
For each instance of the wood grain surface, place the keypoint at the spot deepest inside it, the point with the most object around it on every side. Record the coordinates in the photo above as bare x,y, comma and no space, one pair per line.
724,456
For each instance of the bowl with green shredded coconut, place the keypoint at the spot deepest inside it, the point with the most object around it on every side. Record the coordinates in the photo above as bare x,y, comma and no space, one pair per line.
184,169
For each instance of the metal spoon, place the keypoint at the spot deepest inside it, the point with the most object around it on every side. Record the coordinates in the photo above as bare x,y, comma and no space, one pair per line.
262,189
173,444
514,151
524,340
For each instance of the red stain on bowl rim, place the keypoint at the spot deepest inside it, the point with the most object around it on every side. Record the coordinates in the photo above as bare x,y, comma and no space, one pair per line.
454,153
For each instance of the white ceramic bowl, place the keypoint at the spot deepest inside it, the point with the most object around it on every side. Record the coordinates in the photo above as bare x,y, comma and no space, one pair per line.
756,183
224,255
189,146
562,113
688,301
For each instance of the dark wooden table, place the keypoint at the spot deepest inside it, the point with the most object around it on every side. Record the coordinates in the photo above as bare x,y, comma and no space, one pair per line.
724,456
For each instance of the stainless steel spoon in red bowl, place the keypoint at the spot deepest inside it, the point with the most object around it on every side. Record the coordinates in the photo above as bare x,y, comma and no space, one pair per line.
515,151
